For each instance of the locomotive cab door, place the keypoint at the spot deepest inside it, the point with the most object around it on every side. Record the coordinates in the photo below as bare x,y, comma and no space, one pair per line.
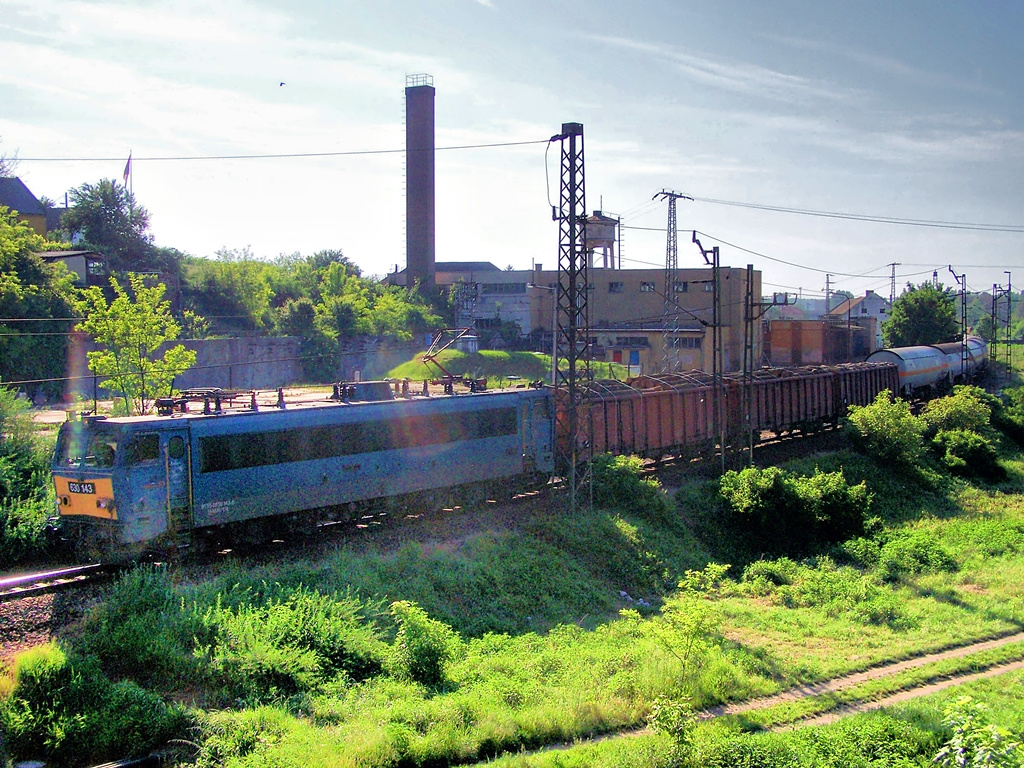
179,501
157,467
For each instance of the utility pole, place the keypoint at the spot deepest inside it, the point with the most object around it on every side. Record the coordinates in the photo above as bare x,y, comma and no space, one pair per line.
828,293
573,327
718,404
670,317
961,281
892,282
752,312
995,298
1009,324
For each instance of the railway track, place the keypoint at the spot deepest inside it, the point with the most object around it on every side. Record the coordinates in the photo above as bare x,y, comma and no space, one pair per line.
59,580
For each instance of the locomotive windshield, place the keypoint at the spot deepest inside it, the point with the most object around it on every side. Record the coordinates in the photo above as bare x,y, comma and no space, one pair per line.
86,445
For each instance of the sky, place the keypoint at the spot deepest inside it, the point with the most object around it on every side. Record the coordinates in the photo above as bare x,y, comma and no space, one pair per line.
908,110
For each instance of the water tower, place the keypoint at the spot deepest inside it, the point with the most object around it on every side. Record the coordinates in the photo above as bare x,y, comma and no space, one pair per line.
602,232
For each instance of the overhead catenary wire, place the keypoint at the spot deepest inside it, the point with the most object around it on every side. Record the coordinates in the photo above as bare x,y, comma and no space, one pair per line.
275,155
904,221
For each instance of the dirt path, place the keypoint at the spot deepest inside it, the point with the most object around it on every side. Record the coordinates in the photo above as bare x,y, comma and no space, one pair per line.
839,683
875,673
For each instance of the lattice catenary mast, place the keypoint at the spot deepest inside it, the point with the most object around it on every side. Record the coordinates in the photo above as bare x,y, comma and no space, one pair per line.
573,332
670,328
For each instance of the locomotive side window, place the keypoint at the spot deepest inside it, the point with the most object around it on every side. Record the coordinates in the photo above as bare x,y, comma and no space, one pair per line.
144,448
260,449
176,447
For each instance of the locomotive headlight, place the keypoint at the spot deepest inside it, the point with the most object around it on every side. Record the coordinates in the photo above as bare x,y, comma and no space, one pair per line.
107,504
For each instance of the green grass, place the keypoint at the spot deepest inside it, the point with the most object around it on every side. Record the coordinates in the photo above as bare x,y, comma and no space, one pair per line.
497,366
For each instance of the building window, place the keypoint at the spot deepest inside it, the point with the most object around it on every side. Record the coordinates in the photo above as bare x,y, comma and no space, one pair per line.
708,287
616,287
631,341
646,287
682,286
685,342
504,287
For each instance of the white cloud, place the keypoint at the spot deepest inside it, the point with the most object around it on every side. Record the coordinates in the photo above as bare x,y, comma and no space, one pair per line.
748,79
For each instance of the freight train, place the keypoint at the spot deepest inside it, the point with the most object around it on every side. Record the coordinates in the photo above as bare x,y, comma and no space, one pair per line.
126,486
935,366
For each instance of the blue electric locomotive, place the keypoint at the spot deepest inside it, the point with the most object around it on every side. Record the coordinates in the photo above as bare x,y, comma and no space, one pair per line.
126,485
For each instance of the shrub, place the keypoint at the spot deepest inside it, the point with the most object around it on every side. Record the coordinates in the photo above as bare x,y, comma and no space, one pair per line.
288,646
973,742
26,499
835,507
619,484
1010,417
968,454
141,631
782,512
774,573
968,408
228,738
24,528
63,709
912,552
886,430
423,646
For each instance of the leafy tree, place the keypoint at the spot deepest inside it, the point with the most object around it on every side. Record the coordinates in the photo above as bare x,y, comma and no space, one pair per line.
33,293
922,315
113,223
132,328
985,328
233,290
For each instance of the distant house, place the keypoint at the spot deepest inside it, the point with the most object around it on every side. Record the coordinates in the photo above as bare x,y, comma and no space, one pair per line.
863,308
16,196
89,267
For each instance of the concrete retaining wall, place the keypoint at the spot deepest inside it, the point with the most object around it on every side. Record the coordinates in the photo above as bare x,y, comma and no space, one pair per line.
259,362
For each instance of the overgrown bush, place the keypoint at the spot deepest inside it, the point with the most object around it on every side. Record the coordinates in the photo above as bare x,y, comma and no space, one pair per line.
1010,418
619,484
64,710
968,454
786,513
968,408
26,499
912,552
837,591
142,630
290,645
228,737
423,646
973,741
886,430
241,645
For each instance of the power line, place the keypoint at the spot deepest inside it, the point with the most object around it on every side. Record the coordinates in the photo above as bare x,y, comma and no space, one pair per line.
1019,228
273,156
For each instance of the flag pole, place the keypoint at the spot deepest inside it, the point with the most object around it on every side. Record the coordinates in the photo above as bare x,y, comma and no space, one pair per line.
128,174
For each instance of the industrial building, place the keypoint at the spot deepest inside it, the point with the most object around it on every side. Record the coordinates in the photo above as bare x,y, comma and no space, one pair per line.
630,319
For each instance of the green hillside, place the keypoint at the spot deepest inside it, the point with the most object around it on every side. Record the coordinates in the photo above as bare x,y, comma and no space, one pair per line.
498,367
